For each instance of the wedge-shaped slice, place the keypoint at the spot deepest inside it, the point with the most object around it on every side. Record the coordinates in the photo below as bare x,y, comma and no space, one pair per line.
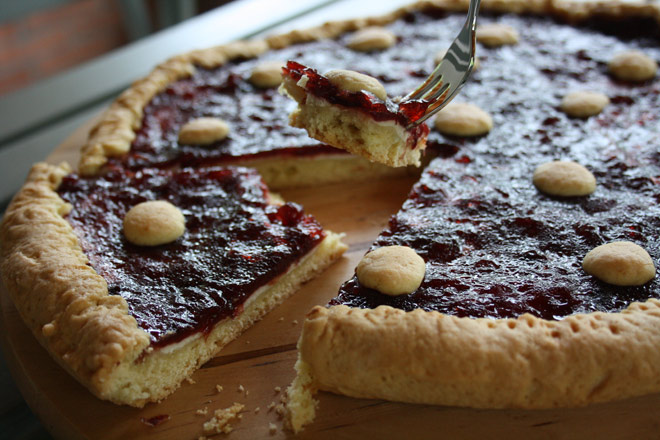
131,321
351,111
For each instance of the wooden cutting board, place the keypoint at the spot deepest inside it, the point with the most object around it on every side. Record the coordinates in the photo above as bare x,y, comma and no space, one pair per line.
261,361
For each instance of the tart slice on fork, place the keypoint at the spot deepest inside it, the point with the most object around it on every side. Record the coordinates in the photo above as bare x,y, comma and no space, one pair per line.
351,111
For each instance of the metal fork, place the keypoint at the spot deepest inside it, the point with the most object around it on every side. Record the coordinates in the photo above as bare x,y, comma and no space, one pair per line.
452,72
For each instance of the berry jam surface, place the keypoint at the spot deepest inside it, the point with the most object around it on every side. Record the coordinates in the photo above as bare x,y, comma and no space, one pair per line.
234,243
494,245
404,113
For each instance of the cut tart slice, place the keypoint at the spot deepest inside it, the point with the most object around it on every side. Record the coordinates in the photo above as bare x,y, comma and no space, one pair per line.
131,303
351,111
538,288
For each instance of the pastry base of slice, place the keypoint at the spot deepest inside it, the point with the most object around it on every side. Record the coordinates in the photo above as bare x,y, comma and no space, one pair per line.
432,358
323,170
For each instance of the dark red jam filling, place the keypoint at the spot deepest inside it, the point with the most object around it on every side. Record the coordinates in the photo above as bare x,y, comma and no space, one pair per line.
234,243
494,245
404,113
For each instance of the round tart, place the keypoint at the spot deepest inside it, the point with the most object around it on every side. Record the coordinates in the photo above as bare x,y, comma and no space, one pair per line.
504,315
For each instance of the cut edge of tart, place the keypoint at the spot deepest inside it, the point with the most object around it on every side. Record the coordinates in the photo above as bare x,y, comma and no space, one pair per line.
91,333
359,122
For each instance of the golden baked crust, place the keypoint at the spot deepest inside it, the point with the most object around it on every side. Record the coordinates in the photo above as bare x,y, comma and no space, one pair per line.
66,304
527,362
59,296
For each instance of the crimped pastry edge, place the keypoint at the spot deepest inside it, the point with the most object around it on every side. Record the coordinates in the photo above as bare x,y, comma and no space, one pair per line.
115,131
433,358
62,300
66,304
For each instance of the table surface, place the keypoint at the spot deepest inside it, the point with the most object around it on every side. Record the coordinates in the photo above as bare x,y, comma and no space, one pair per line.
59,111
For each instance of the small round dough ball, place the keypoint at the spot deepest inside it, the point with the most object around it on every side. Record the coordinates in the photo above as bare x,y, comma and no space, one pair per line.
392,270
371,38
352,81
463,119
582,104
153,223
621,263
440,55
633,65
268,74
203,131
496,34
564,178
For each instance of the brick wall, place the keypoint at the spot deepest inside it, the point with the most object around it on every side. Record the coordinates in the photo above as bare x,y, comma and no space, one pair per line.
52,40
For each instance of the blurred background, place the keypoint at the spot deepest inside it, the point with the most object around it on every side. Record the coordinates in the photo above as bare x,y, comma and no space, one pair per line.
39,38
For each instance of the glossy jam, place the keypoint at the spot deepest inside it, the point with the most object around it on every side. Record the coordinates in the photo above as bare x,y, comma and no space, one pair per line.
234,243
403,113
495,246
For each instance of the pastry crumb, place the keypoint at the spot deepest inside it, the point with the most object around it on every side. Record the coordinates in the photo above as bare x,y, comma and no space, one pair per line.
280,410
271,405
218,388
272,428
280,319
294,322
256,410
241,389
190,380
278,389
219,423
202,412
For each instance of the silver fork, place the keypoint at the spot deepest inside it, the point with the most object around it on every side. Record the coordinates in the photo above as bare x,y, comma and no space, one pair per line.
452,72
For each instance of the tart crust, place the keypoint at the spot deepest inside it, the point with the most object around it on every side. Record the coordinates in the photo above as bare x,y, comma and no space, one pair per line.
432,358
66,304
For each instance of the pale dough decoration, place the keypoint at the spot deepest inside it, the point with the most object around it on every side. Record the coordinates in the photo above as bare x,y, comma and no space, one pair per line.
621,263
564,178
153,223
633,65
267,74
392,270
463,119
440,55
352,81
582,104
203,131
496,34
371,38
